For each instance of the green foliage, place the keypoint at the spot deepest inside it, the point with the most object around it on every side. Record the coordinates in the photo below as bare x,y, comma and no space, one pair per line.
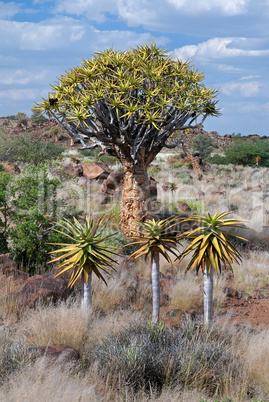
37,118
149,356
177,165
27,149
203,144
30,204
212,243
4,211
244,152
94,156
87,252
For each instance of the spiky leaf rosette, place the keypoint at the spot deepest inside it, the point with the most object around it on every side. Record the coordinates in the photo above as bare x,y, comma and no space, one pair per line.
130,100
86,251
211,243
157,235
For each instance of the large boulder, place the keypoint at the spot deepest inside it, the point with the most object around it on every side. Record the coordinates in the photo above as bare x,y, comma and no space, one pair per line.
57,353
114,181
96,170
71,171
42,289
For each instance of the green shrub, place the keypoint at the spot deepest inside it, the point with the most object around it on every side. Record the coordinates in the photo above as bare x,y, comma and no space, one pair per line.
244,152
204,145
176,165
93,155
27,149
149,356
217,160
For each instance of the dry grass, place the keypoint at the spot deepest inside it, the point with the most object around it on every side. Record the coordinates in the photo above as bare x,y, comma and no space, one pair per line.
41,383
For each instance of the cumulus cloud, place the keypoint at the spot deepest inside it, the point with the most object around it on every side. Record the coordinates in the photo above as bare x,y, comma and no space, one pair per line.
23,76
20,94
227,7
217,48
94,10
9,9
245,89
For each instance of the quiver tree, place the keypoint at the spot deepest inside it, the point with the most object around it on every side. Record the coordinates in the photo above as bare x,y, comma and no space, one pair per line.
129,103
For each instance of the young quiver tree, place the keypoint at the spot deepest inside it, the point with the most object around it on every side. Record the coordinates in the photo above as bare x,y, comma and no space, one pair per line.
129,103
85,254
211,246
157,237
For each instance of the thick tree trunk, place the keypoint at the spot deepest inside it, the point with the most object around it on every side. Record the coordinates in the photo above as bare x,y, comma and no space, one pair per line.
86,290
135,203
208,296
155,275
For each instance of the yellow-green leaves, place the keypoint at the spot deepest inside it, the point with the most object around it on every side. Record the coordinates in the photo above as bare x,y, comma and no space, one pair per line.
87,251
160,235
212,244
130,82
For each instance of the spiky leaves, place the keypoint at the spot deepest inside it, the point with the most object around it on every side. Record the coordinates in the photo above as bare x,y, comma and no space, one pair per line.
86,251
212,242
157,237
129,99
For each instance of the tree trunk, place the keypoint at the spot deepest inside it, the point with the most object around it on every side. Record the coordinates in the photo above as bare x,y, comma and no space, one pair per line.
135,203
155,275
208,296
86,291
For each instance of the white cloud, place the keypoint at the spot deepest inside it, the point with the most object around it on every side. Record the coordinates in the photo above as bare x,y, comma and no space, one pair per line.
23,76
215,49
245,89
21,94
249,77
9,9
94,10
227,7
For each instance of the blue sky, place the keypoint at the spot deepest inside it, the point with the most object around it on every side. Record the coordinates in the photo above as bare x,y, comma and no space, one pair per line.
227,39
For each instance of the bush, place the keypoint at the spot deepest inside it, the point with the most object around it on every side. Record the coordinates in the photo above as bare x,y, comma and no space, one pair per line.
148,356
27,149
204,145
244,152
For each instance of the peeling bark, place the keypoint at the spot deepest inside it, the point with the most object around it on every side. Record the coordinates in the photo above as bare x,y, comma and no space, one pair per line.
135,203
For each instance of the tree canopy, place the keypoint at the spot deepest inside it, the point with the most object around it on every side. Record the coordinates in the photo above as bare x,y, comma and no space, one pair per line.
129,101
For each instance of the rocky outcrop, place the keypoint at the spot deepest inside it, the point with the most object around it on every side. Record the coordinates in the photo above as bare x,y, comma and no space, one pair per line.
113,182
42,289
96,170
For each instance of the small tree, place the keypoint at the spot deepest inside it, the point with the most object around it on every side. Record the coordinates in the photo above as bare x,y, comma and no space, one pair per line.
129,103
156,238
203,145
211,246
86,254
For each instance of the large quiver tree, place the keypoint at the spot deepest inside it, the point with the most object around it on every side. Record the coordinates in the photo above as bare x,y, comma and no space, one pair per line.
129,103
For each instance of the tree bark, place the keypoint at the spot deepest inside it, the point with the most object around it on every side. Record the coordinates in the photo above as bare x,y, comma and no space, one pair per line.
208,296
135,203
155,275
86,291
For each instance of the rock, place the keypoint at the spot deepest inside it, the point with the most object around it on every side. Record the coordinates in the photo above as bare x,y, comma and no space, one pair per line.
73,171
232,293
10,168
113,182
182,206
57,353
96,170
10,268
42,289
153,191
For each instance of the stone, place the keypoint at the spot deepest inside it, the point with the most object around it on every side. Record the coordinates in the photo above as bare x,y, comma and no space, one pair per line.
73,171
182,206
114,181
10,168
96,170
232,293
56,353
10,268
43,289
